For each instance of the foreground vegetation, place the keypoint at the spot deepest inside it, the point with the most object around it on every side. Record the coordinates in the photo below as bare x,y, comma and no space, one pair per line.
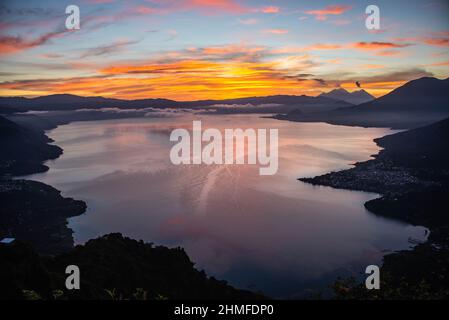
112,267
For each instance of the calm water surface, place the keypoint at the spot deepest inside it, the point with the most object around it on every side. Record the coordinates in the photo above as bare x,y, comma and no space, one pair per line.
274,234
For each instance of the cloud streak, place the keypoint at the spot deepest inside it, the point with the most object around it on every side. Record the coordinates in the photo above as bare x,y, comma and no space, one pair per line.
270,9
15,44
203,6
322,14
107,49
216,72
276,31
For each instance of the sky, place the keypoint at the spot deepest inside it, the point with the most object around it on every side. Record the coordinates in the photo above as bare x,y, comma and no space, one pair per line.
218,49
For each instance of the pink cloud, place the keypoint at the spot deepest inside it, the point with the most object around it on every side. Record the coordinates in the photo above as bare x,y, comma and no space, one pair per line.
145,10
388,53
376,45
225,5
439,64
270,9
100,1
204,6
439,42
322,14
14,44
276,31
438,39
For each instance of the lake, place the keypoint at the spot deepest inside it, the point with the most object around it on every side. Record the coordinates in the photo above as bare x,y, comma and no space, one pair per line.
272,234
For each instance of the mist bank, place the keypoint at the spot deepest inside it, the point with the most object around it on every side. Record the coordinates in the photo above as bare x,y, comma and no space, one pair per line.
267,104
417,103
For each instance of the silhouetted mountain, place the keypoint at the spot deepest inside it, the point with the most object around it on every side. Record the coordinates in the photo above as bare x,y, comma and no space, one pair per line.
422,147
113,267
23,149
417,103
356,97
66,102
7,110
276,99
361,96
36,213
296,112
73,102
424,94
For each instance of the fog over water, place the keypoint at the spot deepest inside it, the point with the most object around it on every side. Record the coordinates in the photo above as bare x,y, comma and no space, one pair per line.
269,233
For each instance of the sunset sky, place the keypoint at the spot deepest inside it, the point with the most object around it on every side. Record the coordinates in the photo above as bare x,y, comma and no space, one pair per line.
216,49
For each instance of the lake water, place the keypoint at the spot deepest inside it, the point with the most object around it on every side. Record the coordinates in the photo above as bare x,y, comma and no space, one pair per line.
273,234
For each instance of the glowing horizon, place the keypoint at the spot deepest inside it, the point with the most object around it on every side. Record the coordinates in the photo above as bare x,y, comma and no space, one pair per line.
188,50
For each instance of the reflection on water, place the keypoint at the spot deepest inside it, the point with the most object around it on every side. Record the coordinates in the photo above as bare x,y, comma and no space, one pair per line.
269,233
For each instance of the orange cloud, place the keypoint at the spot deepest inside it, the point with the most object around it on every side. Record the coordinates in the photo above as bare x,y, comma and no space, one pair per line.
388,53
232,50
440,42
194,79
439,39
215,72
322,14
378,45
321,46
179,80
270,9
314,47
439,64
372,66
384,49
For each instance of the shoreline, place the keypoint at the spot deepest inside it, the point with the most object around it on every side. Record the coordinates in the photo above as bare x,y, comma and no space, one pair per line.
36,216
31,210
412,176
363,177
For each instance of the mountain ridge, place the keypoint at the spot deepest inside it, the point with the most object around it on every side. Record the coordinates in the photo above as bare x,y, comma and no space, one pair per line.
417,103
71,102
26,149
355,97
